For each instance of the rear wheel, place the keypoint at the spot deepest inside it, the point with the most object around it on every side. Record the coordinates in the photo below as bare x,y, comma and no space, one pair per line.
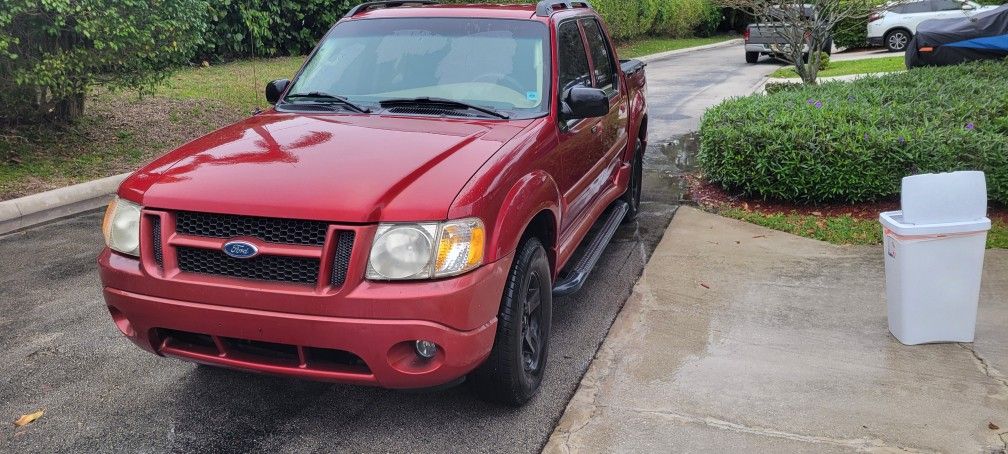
513,372
632,195
751,57
897,40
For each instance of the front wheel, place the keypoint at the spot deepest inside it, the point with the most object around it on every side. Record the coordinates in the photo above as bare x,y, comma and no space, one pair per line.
513,372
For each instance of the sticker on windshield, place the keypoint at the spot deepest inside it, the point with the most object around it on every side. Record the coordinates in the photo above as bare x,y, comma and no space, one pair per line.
532,95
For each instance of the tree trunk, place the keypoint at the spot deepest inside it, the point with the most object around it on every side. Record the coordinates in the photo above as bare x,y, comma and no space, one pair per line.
69,109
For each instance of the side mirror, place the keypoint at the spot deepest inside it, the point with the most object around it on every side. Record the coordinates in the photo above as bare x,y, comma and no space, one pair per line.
276,88
584,102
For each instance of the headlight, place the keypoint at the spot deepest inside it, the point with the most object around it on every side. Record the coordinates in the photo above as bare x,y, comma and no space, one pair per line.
122,227
424,251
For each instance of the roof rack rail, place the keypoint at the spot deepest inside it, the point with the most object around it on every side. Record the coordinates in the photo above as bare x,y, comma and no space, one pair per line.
391,4
546,7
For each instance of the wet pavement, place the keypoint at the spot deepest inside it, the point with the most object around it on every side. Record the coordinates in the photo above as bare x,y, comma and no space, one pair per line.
739,338
59,351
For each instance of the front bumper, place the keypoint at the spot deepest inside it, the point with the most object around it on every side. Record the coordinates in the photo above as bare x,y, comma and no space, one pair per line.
876,41
376,350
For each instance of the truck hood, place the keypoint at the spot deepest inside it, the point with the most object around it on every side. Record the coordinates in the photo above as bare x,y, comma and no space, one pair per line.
339,168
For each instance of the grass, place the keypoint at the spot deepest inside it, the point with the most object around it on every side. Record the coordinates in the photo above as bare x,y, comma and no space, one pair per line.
120,131
649,46
843,229
847,67
240,84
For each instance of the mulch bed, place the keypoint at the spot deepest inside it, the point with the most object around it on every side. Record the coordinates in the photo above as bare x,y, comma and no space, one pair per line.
713,196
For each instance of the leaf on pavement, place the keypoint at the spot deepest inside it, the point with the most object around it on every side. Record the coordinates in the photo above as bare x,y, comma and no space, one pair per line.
24,420
992,426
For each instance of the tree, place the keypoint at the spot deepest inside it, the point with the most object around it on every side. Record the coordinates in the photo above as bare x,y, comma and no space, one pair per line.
804,30
53,51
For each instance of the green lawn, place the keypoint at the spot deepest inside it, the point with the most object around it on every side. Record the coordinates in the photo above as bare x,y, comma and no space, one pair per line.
240,83
649,46
843,68
840,229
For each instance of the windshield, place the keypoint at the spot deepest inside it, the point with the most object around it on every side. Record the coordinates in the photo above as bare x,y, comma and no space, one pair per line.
493,63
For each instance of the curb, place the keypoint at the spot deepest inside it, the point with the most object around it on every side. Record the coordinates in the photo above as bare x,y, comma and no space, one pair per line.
664,55
844,78
28,211
22,213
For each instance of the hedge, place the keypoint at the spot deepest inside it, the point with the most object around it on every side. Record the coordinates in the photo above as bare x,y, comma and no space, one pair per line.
853,142
268,28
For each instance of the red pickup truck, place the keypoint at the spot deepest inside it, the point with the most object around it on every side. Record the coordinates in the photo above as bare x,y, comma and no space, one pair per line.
404,214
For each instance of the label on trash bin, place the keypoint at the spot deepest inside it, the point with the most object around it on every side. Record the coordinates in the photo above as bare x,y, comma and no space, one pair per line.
890,245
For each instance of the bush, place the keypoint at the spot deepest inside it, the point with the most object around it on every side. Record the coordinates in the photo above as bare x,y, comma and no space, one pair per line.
851,33
52,51
629,19
853,142
269,28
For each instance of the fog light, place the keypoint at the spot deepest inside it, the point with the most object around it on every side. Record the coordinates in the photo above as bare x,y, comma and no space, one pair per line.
425,349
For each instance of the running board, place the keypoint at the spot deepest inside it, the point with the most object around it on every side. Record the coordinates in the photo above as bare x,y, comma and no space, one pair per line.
573,278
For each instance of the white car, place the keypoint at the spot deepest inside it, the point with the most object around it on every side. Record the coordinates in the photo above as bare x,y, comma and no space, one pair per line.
897,22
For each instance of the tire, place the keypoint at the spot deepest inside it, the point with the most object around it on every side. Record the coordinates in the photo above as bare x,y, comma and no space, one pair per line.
512,373
632,195
897,40
751,57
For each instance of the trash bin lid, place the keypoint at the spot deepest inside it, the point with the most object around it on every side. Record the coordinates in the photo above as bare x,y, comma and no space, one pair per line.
935,198
895,221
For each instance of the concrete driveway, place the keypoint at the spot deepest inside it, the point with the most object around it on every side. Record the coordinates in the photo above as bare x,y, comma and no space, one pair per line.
742,339
60,352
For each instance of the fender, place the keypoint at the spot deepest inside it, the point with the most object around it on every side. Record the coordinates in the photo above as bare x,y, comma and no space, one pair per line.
529,196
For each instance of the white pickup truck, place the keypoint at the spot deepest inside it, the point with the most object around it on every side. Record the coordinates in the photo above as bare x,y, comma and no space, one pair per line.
767,38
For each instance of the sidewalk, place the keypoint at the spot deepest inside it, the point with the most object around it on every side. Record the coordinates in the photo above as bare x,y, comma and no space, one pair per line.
743,339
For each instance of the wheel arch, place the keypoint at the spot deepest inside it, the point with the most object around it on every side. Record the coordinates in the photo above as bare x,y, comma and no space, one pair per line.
532,206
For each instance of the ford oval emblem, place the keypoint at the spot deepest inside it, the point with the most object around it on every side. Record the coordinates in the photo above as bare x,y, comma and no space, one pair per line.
240,249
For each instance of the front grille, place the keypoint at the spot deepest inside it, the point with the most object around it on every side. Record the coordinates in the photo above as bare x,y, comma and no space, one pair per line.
342,260
264,267
272,230
156,240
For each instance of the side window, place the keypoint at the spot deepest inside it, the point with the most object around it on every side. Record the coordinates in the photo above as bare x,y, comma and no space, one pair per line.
605,73
571,53
946,5
917,7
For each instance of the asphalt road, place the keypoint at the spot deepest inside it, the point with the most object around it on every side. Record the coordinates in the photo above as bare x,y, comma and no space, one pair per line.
59,351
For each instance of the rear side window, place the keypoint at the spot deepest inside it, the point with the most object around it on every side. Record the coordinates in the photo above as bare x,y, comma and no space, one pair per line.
605,74
946,5
912,7
573,60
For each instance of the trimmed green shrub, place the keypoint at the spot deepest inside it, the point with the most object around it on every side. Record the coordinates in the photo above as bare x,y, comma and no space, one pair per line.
853,142
680,18
851,32
52,51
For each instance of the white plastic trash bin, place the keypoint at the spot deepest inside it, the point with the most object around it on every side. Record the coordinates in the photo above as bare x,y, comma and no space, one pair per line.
933,278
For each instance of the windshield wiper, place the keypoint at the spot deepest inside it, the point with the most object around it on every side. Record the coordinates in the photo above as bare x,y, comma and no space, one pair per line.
450,103
326,97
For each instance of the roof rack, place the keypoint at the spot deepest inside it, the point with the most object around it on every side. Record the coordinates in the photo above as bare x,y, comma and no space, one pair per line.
392,4
546,7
